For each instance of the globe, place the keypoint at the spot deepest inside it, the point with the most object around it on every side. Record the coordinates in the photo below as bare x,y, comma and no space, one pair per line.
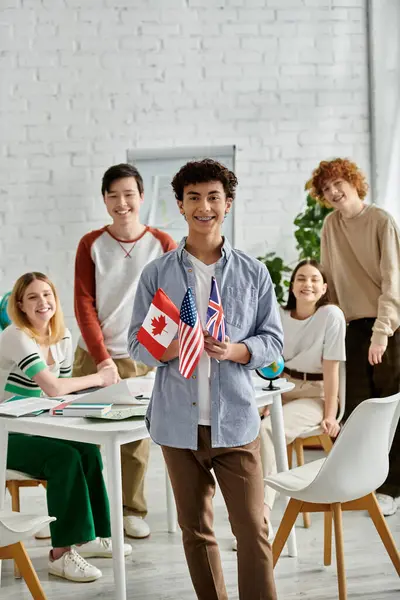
4,318
271,372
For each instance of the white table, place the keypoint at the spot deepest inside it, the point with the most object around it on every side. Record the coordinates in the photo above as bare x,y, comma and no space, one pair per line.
111,435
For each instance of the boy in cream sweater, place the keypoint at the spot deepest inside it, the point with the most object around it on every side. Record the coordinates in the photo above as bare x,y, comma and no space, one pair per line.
360,251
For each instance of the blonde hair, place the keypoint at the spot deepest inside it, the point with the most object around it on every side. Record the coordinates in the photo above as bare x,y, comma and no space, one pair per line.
19,318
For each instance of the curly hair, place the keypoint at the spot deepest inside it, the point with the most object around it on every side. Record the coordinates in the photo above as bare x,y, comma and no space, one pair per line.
342,168
203,171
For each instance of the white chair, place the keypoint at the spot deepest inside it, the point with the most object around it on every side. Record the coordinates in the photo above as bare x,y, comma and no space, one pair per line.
14,528
316,436
345,480
14,481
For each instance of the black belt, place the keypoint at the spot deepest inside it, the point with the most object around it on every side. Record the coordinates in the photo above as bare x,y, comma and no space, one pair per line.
303,376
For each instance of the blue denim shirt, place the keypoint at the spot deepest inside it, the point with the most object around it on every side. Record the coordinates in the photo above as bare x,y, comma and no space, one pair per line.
252,317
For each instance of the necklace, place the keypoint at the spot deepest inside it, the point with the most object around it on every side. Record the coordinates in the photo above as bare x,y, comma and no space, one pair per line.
127,252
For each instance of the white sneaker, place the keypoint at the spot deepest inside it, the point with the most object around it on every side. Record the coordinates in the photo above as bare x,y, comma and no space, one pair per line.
100,547
270,536
387,504
136,527
73,567
43,534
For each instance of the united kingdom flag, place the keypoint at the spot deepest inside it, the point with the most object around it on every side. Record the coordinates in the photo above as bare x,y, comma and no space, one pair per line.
215,323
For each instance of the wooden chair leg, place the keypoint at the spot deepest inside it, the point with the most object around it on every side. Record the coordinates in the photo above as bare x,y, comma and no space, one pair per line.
337,519
27,571
326,442
290,455
285,527
13,488
298,444
328,538
384,532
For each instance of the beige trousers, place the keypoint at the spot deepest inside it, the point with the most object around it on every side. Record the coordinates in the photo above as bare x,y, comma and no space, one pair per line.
135,455
303,408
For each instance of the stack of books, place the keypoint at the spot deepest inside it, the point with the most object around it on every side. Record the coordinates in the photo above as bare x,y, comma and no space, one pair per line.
77,408
129,396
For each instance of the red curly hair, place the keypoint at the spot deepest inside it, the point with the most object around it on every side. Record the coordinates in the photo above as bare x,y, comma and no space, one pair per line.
338,168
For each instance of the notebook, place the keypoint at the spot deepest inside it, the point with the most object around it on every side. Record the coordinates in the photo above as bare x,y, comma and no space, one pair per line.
24,407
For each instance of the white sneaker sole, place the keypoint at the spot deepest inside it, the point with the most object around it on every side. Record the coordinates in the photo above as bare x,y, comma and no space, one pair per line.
75,579
137,537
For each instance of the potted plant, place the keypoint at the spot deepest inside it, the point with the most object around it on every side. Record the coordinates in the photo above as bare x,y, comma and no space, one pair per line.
308,237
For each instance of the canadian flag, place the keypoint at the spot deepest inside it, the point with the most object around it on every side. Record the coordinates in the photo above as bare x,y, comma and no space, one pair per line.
160,325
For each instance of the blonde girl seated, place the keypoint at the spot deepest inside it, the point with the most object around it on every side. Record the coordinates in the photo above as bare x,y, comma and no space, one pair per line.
35,360
314,344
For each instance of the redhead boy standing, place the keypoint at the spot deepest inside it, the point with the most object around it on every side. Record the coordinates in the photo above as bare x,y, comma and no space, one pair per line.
360,251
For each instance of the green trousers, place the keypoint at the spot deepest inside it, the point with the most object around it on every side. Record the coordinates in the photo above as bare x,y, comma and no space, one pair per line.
76,493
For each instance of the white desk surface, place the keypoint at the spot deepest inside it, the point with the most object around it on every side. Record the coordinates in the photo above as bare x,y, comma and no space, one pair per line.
134,429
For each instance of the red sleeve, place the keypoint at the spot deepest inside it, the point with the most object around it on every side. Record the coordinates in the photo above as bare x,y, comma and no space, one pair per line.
85,299
166,241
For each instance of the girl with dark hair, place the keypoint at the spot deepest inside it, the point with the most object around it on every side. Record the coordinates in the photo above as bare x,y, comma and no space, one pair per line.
314,344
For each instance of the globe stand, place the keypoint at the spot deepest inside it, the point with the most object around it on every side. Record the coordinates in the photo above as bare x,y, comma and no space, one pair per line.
271,387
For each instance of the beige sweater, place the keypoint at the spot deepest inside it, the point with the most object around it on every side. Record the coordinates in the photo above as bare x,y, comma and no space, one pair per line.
361,257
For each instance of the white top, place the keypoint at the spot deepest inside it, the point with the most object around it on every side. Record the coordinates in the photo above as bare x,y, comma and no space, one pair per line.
21,359
307,342
107,271
203,275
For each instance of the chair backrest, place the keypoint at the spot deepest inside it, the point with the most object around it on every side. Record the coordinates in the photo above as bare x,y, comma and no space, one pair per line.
4,318
394,426
359,460
16,527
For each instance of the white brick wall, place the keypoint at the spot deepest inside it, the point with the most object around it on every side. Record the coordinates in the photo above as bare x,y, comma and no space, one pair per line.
84,80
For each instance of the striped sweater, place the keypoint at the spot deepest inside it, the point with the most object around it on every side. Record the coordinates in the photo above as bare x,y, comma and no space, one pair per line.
21,359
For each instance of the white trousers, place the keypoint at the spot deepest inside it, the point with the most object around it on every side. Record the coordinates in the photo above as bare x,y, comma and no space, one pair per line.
303,408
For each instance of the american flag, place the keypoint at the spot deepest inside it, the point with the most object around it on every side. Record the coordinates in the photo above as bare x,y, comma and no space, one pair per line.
191,338
215,323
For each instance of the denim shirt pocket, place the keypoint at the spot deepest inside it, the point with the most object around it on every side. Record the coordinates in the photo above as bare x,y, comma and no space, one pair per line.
239,307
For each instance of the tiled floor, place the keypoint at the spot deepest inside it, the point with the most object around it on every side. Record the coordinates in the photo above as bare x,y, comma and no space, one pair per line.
157,570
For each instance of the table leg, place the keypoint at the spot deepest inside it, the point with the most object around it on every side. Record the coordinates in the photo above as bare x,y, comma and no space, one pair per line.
3,467
278,436
113,461
171,508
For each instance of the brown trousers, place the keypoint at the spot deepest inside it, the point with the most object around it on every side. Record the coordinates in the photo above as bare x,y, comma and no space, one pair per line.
135,455
366,381
239,475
